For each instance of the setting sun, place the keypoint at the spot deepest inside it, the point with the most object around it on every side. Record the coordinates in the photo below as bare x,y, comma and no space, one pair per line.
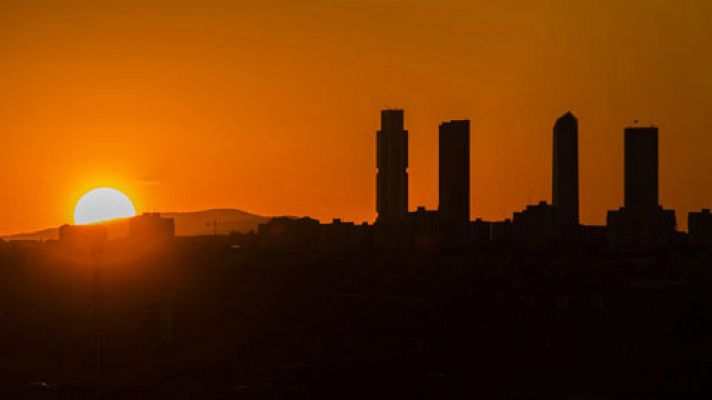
103,204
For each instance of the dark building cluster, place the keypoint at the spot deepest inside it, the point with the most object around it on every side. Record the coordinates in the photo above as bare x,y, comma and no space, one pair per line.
145,231
418,304
642,224
151,227
699,225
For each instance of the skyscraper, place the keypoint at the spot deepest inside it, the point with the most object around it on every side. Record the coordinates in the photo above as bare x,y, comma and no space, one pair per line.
642,223
641,168
454,171
392,165
565,182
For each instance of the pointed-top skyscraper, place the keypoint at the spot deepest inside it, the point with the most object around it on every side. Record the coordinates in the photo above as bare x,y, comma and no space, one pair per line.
565,182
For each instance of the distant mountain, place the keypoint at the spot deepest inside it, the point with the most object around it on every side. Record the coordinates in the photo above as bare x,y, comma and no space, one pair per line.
198,223
44,234
193,223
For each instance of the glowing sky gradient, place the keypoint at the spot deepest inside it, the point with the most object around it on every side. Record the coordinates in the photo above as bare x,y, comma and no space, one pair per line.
272,106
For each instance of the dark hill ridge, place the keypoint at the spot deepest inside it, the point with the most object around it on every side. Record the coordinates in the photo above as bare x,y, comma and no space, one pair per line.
197,223
192,223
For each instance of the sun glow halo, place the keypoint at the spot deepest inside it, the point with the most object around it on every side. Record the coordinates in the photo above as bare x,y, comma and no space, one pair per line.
103,204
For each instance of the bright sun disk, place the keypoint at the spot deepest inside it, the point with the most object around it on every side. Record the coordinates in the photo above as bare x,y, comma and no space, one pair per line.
103,204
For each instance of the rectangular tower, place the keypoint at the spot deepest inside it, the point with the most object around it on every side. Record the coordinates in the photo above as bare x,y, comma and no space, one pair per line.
454,171
565,182
641,168
392,165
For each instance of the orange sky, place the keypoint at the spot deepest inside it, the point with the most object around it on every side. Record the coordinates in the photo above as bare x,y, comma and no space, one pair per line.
272,106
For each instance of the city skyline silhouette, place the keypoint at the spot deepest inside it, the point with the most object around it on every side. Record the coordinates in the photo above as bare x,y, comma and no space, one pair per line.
392,184
187,108
373,199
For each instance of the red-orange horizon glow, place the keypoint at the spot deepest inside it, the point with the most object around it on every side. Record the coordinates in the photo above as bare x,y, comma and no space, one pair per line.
272,107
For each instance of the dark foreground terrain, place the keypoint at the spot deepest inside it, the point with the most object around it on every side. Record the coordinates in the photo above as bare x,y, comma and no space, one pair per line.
204,320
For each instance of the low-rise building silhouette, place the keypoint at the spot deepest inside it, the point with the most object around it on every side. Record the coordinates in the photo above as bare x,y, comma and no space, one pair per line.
343,237
423,229
536,227
699,226
151,227
420,228
306,234
288,234
640,229
479,233
83,236
501,232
